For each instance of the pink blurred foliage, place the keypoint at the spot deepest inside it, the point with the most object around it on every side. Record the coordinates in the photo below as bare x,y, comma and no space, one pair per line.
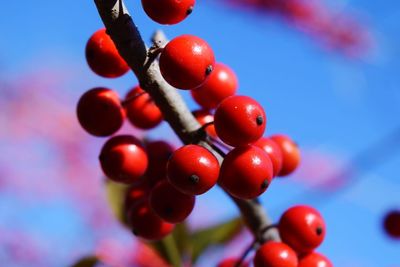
335,30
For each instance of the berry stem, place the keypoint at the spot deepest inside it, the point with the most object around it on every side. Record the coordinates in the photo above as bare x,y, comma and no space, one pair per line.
253,246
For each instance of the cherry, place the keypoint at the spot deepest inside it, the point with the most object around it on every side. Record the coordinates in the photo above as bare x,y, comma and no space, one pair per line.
103,57
221,84
186,62
204,116
158,153
274,152
246,172
275,254
123,159
141,110
391,224
315,259
290,153
168,11
239,120
170,204
100,112
146,224
302,228
232,262
193,169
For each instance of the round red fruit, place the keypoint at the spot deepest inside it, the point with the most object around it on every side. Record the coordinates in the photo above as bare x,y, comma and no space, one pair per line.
168,11
290,152
315,259
239,120
123,159
170,204
391,224
232,262
221,84
275,254
203,117
193,170
246,172
302,228
274,152
100,112
141,110
146,224
186,62
158,153
102,56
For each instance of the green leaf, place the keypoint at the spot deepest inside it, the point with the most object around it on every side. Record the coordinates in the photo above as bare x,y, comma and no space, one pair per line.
89,261
182,239
116,196
215,235
168,250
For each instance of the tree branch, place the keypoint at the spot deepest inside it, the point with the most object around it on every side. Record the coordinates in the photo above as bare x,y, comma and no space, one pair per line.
130,45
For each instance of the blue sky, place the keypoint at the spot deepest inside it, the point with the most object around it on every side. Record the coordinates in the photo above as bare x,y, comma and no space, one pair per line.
326,101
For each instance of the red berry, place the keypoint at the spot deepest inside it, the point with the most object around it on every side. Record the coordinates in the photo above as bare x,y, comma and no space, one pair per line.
186,62
246,172
392,223
239,120
141,110
123,159
158,153
204,116
231,262
100,112
275,254
221,84
290,153
315,259
135,193
302,228
168,11
193,169
146,224
170,204
103,57
274,152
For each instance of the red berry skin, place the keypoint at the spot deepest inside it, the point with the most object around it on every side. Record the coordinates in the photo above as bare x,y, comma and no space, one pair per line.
146,224
391,224
231,262
290,153
302,228
315,259
193,170
168,11
170,204
275,254
99,112
158,153
141,110
123,159
204,116
246,172
239,120
102,56
273,151
186,62
135,193
221,84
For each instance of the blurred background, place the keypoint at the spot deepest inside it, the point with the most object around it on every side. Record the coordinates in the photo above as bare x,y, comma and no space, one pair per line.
326,72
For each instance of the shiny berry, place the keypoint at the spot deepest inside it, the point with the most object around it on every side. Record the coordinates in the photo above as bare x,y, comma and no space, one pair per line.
103,57
186,62
123,159
146,224
290,153
135,193
274,152
275,254
391,224
246,172
141,110
204,116
193,169
302,228
314,259
232,262
239,120
170,204
221,84
158,153
168,11
100,112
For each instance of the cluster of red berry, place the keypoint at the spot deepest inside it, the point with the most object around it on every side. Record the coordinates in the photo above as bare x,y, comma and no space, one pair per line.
164,182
